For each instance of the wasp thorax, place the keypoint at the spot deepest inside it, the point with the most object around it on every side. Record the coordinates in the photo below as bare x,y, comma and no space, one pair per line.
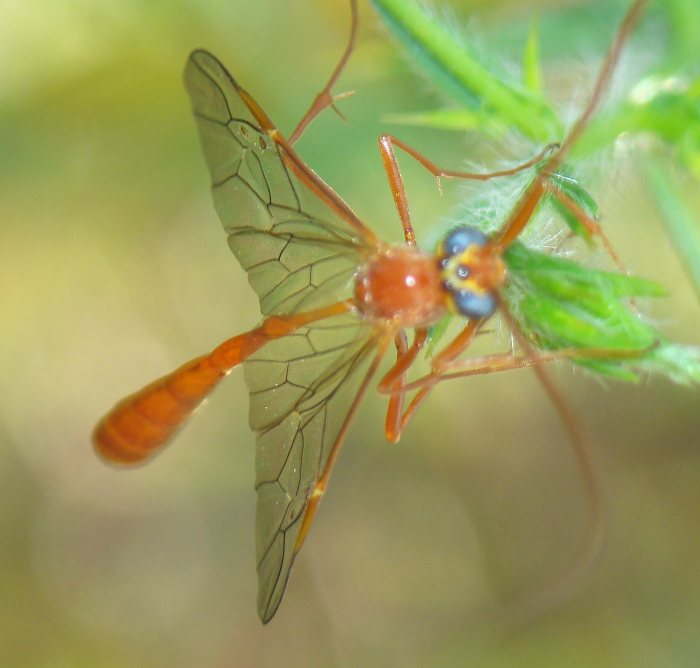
471,272
401,283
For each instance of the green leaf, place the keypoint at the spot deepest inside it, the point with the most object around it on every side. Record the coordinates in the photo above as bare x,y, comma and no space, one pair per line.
561,272
532,72
578,194
560,304
449,119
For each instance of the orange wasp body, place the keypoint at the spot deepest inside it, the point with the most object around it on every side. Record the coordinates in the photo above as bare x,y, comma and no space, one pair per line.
335,298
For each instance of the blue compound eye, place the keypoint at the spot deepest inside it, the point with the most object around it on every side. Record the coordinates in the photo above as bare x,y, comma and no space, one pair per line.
474,305
461,238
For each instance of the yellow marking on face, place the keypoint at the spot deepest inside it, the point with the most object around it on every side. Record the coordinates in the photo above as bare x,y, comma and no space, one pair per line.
458,273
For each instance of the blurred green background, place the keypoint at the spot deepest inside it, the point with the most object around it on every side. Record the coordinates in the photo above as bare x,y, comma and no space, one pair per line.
114,270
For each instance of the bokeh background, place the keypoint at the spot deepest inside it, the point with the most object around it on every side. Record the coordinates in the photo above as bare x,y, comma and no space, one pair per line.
114,270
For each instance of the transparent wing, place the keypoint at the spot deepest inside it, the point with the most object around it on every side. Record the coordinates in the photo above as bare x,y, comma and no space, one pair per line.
298,241
303,388
301,246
